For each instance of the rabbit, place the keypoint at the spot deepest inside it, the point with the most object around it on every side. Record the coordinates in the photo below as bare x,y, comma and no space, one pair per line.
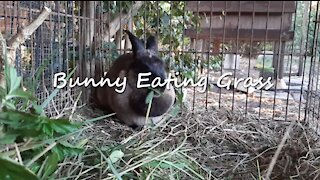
130,106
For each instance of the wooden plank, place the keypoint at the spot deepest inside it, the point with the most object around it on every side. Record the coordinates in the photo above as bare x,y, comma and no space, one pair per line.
246,6
278,59
248,21
244,34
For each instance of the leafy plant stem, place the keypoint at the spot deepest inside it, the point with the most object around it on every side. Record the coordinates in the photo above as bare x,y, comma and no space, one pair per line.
41,154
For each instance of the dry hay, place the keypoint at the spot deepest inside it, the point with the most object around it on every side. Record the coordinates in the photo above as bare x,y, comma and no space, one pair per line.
266,108
225,144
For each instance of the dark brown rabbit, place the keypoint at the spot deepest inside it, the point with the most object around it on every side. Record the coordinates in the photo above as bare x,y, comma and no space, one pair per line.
130,106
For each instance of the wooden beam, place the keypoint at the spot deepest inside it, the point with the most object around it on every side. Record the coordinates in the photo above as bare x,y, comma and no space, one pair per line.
248,21
244,34
246,6
123,19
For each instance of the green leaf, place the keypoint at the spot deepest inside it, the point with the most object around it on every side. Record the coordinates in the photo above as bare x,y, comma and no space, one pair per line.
51,165
8,139
35,167
82,142
32,125
38,109
113,169
73,151
2,92
9,104
66,144
13,116
116,155
63,126
66,149
149,97
13,79
139,32
18,93
46,128
174,112
11,170
58,149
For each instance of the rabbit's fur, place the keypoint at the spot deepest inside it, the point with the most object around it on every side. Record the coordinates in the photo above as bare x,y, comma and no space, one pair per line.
130,106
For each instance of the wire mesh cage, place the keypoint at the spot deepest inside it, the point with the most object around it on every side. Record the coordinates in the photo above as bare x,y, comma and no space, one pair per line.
253,40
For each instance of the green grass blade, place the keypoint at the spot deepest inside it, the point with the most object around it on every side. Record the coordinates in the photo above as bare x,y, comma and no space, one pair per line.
55,92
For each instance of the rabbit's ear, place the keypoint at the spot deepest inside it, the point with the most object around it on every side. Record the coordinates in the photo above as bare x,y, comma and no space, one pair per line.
137,45
152,44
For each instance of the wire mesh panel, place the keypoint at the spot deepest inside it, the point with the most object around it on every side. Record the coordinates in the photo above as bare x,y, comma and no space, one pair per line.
222,45
260,40
312,92
49,50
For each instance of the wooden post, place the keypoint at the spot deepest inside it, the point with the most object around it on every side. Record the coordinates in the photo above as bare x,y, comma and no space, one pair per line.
281,58
278,64
278,59
275,58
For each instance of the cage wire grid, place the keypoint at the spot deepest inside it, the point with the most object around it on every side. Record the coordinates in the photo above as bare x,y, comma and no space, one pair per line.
66,39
